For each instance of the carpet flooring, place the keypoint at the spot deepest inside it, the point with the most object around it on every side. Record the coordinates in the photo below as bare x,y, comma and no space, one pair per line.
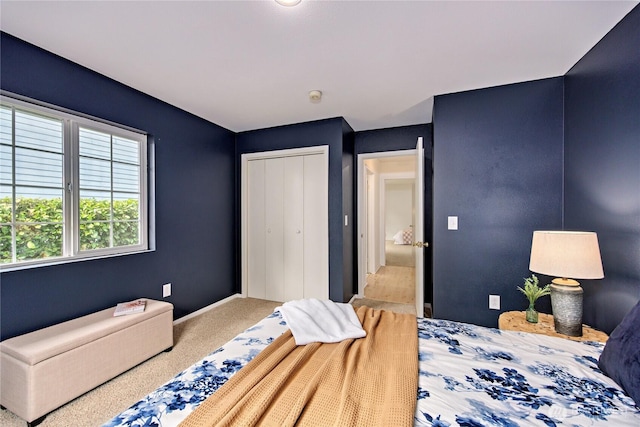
384,305
399,255
393,284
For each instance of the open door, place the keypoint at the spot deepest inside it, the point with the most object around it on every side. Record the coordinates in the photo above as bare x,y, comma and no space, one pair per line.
368,227
418,228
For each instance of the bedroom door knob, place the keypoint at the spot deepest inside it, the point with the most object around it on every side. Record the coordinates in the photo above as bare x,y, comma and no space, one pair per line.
421,244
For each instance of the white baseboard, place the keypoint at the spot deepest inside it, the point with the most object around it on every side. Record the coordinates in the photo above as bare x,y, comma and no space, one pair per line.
205,309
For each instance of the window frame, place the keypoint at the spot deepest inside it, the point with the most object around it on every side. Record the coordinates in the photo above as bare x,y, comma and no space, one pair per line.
71,124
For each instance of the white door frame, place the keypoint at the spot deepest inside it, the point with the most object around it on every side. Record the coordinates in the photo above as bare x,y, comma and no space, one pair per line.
362,209
244,199
371,261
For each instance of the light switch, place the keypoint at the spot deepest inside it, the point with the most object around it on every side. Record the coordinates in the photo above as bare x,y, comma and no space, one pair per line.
494,302
346,220
452,223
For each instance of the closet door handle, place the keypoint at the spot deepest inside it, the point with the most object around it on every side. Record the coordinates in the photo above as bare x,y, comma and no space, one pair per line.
421,244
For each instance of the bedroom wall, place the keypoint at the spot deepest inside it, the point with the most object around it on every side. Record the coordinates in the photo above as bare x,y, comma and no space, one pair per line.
331,132
602,166
498,160
393,139
194,173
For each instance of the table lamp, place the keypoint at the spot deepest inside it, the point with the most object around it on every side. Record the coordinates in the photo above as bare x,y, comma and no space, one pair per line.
566,255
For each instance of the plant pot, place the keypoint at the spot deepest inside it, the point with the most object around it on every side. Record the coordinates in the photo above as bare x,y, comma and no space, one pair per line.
532,314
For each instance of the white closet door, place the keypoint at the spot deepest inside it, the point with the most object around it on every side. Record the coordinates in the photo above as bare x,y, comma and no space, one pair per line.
256,265
274,222
316,280
285,226
294,236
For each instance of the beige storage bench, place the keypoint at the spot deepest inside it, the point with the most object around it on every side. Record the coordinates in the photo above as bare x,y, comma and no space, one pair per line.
47,368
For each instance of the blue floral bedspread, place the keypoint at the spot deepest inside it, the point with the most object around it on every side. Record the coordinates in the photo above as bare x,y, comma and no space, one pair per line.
470,376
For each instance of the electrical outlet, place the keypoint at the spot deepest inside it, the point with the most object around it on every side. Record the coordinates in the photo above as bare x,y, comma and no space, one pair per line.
494,302
166,290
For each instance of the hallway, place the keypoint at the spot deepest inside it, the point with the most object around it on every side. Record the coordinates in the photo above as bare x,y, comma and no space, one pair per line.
395,281
392,284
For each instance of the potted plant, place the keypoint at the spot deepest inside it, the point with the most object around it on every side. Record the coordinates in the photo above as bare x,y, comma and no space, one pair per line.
532,291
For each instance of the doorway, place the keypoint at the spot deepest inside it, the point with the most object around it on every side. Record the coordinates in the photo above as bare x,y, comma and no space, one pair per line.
386,218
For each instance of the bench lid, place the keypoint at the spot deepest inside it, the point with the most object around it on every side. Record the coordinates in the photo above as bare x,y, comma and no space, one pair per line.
36,346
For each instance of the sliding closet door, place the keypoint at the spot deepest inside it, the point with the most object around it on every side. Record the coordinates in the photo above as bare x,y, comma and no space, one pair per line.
294,237
316,261
285,227
256,244
274,221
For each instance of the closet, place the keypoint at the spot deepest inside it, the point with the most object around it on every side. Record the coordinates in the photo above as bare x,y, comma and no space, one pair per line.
285,224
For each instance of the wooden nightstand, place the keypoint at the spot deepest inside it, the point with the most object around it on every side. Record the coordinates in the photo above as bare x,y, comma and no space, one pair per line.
516,321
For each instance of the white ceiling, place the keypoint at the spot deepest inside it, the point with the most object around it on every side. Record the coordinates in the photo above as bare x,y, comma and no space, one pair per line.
250,64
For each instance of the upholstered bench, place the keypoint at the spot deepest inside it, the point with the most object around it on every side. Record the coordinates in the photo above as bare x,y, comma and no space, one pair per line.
47,368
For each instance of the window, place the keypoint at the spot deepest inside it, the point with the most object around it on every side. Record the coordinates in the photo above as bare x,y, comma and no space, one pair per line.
70,187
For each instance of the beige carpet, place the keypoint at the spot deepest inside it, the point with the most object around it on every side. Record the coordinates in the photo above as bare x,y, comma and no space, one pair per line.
383,305
392,283
194,339
399,255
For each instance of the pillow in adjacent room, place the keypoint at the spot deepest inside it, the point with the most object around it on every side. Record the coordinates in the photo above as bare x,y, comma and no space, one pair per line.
620,359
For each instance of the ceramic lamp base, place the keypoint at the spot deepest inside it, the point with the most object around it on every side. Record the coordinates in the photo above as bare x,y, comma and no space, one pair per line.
566,303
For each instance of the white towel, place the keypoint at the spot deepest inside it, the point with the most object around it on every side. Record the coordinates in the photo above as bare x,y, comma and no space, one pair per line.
312,320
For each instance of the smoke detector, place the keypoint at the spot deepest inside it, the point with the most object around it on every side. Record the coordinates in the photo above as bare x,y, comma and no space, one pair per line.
315,96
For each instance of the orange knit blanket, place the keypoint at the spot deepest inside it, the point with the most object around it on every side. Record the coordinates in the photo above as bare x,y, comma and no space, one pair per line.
369,381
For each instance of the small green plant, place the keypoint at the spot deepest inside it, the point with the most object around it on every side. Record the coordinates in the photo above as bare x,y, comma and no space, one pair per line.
532,291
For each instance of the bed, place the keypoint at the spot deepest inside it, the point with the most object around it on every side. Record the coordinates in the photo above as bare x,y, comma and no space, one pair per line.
467,376
403,237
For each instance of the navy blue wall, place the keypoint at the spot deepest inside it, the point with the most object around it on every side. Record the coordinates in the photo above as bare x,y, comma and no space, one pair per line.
195,189
397,139
602,166
498,167
336,134
394,139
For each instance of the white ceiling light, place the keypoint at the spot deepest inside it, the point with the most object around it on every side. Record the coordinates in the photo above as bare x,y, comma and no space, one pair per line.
288,3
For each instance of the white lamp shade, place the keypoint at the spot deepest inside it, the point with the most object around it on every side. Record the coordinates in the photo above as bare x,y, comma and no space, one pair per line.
566,254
